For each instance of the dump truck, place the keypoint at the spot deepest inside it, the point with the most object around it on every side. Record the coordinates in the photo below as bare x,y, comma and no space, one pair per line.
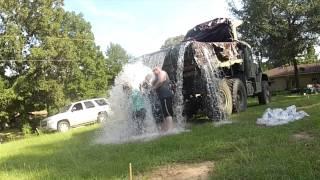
215,61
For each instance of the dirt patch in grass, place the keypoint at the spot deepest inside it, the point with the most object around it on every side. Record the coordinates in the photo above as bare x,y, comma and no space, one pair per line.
10,135
181,171
302,136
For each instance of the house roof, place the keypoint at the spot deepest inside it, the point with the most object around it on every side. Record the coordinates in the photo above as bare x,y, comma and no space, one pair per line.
289,70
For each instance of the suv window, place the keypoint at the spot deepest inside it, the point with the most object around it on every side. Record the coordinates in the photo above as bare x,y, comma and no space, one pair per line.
77,107
89,104
101,102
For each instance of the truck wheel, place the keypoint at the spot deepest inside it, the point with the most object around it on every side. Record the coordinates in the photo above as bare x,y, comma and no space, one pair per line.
264,97
102,116
63,126
239,96
225,100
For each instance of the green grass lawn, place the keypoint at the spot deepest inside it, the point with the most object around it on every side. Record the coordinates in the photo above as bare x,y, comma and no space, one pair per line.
241,150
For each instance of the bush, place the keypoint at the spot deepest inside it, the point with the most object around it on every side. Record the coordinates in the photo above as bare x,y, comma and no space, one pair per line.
26,129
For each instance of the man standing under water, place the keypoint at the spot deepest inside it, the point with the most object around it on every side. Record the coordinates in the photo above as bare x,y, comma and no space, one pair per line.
161,84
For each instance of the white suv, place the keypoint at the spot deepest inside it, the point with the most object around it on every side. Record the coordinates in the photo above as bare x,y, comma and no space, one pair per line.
78,113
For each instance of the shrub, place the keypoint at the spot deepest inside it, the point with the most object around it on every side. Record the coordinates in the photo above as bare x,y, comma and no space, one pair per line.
26,129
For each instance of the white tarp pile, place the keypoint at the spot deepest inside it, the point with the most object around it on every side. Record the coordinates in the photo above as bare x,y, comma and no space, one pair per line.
278,116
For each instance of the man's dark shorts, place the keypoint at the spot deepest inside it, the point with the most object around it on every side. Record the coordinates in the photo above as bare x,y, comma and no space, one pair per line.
166,106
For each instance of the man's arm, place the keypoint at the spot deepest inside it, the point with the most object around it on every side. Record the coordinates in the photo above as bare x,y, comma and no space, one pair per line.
157,85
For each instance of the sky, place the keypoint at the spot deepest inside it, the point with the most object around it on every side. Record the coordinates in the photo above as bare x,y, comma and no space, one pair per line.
142,26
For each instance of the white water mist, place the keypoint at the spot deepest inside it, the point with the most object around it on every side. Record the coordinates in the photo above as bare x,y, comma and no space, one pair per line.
119,126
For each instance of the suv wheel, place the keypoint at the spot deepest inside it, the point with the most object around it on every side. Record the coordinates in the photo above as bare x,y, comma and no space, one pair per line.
102,116
63,126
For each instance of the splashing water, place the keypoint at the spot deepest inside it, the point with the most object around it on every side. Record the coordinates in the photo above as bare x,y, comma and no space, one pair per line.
212,79
120,126
154,59
210,75
178,97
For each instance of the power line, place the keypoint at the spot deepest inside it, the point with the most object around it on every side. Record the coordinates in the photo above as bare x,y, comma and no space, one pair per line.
50,37
36,60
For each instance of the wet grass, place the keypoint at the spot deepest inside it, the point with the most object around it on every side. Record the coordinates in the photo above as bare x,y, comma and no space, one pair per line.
241,150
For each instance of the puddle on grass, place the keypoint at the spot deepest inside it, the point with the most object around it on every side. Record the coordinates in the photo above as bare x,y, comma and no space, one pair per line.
143,137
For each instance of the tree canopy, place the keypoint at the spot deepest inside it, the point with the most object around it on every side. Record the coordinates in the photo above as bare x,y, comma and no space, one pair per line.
116,58
48,58
172,41
279,29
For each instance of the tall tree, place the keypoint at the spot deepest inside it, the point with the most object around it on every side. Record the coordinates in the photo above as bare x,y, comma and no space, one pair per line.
50,53
172,41
310,55
7,97
279,29
116,58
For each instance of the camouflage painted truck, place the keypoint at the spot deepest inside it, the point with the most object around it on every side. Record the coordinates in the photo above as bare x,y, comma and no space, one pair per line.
215,61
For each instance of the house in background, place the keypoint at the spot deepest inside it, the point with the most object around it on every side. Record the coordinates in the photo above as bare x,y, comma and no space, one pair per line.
282,78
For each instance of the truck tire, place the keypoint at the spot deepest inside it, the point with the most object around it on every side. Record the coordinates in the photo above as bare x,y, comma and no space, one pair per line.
264,96
63,126
226,102
239,96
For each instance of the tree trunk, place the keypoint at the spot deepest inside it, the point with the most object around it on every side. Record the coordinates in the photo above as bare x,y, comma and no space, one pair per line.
296,73
48,109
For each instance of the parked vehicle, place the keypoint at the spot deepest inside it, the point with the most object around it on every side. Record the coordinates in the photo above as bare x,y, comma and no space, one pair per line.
76,114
